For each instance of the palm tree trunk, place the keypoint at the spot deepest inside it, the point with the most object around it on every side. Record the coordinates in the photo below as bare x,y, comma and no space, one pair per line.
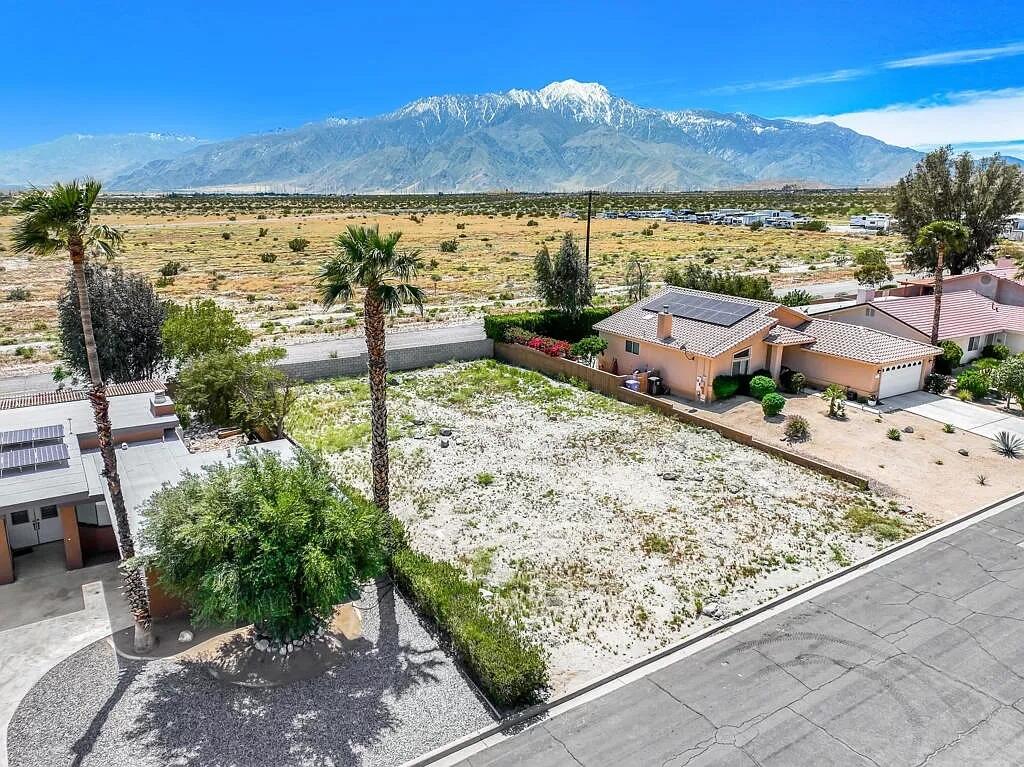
940,253
134,584
373,318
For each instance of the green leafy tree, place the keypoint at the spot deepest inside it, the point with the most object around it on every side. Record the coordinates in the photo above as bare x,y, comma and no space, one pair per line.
697,277
943,240
56,220
126,317
589,348
211,386
201,327
797,297
266,541
371,262
1008,379
564,281
264,398
872,270
976,193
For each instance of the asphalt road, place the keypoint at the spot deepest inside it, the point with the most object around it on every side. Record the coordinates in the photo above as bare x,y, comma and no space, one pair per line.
916,662
297,352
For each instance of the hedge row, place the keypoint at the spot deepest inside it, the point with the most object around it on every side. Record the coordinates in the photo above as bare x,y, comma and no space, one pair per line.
511,670
548,323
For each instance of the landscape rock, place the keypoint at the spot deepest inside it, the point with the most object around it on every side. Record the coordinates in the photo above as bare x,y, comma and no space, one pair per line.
963,451
185,636
444,442
262,645
445,432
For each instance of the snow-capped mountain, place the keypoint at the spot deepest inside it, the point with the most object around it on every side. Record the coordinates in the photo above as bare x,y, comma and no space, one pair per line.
565,136
80,155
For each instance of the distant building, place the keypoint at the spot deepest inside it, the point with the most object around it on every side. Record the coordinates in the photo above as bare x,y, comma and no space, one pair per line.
876,221
1014,228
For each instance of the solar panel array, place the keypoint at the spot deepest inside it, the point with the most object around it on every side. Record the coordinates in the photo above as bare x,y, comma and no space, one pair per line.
20,448
702,309
28,436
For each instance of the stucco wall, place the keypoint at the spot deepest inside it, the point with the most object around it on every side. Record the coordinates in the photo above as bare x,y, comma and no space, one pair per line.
856,315
398,359
822,370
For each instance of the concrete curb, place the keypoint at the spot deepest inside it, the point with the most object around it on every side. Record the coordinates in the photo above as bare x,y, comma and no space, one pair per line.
523,719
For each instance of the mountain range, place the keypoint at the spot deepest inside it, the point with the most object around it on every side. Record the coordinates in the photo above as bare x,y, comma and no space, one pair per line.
565,136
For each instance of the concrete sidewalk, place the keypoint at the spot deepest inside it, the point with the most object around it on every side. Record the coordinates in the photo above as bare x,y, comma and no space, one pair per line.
918,660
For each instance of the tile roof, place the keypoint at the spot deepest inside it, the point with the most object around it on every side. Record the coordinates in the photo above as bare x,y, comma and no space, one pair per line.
964,313
854,342
77,395
696,337
784,336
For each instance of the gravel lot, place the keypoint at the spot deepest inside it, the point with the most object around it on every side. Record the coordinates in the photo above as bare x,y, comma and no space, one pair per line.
399,697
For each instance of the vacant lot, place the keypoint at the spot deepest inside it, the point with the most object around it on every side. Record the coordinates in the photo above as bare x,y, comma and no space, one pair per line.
605,529
244,260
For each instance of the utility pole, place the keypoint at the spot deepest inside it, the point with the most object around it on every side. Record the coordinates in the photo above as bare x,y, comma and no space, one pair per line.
590,204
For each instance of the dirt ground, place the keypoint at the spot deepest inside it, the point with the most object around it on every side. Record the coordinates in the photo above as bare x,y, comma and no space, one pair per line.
606,530
923,469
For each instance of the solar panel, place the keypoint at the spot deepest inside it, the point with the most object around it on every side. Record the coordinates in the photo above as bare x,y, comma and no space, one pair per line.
702,309
17,459
50,453
28,436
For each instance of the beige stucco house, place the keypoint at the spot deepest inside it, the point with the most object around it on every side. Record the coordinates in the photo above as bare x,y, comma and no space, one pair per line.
689,337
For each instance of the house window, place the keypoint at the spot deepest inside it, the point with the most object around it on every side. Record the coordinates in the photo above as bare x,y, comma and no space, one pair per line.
974,344
19,517
48,512
633,347
990,339
741,362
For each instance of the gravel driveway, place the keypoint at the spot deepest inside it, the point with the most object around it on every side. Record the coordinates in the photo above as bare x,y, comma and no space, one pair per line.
399,697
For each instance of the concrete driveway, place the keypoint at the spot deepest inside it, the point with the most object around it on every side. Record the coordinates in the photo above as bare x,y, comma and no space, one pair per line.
963,415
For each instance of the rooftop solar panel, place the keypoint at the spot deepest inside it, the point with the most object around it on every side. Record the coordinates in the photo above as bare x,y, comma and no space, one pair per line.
50,453
702,309
17,459
28,436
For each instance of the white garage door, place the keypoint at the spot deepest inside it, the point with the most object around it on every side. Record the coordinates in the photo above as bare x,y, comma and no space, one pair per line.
899,379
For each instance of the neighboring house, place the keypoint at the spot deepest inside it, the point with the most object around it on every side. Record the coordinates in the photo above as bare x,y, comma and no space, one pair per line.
968,318
1014,228
997,282
690,337
52,491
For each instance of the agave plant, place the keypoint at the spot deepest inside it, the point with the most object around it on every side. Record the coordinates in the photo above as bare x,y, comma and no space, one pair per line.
1009,445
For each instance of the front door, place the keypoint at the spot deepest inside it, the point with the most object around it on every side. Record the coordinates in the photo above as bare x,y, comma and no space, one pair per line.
30,527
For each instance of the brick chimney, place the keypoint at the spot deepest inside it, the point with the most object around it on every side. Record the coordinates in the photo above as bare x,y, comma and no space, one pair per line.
664,323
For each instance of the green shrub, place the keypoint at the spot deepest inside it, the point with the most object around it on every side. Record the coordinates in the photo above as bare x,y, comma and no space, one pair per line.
19,294
813,226
298,244
797,429
772,404
548,323
449,246
268,258
793,381
950,358
509,668
973,380
725,386
936,383
588,348
864,520
172,269
516,335
760,386
894,434
996,352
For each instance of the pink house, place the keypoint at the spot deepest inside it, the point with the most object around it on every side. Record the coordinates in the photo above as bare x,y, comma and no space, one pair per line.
689,337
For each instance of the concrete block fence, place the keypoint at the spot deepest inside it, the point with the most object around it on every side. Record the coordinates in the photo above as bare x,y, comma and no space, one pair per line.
408,358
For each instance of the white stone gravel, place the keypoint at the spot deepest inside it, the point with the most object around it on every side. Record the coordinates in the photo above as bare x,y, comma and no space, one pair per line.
399,696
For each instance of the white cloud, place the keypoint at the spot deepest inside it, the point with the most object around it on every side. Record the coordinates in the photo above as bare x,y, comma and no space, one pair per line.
968,56
956,118
838,76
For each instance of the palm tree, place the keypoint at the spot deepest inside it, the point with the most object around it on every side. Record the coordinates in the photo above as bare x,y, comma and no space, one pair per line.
369,261
943,238
56,220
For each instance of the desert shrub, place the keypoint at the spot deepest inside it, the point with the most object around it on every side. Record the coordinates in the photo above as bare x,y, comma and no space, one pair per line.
772,404
19,294
212,386
760,386
509,668
793,381
515,335
797,429
548,323
531,222
964,395
268,258
226,235
264,231
171,269
813,226
725,386
449,246
1008,445
950,357
996,352
975,381
936,383
894,434
298,244
861,519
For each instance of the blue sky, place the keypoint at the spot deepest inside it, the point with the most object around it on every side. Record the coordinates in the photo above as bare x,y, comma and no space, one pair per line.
912,73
